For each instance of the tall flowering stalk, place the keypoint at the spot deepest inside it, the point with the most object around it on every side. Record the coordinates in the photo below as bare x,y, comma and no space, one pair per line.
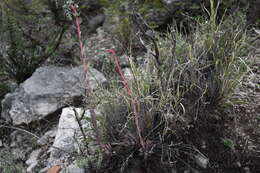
72,13
133,101
81,45
84,61
119,71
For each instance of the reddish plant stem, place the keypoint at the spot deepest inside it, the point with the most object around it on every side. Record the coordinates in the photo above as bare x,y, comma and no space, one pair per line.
126,86
119,71
81,45
85,66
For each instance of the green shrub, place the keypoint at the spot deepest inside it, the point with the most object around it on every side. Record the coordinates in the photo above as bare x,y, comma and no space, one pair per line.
19,63
184,81
27,37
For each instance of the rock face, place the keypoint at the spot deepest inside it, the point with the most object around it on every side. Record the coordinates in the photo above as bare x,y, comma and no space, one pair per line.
95,22
73,169
69,137
46,91
33,160
65,141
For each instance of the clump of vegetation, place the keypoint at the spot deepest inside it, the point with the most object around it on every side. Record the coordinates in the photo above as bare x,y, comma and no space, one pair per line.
185,80
158,15
28,39
8,163
4,89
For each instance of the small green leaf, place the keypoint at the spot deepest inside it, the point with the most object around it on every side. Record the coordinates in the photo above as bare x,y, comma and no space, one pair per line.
228,142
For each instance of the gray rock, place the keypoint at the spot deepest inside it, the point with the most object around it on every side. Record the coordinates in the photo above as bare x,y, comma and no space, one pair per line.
12,86
31,167
247,169
169,2
44,170
6,106
46,91
33,160
202,161
65,138
73,169
69,137
128,74
47,138
33,156
124,61
111,23
96,21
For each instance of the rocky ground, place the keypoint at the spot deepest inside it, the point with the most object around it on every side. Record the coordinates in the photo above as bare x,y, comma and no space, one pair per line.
230,141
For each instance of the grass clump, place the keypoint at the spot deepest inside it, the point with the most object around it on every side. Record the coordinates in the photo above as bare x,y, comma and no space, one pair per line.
185,80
